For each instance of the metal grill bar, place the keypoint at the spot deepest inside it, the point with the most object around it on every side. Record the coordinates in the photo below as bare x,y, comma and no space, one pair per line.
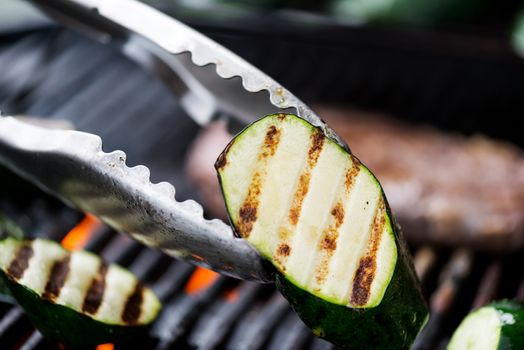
219,319
13,316
181,312
488,285
35,340
256,326
172,280
290,334
145,263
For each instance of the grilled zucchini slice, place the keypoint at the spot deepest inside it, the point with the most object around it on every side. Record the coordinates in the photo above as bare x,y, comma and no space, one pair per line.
74,297
321,218
496,326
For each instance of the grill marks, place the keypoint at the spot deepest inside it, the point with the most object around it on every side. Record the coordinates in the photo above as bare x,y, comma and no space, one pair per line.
365,273
362,281
317,142
338,213
351,174
298,199
57,278
94,297
95,293
328,244
283,250
270,142
328,241
249,208
20,262
133,305
248,212
78,280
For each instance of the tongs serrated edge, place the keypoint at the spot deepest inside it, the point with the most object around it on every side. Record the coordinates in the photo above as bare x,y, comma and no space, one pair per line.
73,166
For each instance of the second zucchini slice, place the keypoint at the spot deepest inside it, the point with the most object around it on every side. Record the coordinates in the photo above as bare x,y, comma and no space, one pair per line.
74,297
497,326
321,218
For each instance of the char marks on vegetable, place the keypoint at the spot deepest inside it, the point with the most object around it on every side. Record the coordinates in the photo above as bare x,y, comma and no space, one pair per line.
20,263
95,293
133,305
367,266
249,208
57,278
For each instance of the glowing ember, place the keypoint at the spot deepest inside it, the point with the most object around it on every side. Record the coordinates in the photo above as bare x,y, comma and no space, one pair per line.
78,237
231,295
107,346
200,280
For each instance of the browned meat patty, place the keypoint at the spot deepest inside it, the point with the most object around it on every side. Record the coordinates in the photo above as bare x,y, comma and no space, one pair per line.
443,188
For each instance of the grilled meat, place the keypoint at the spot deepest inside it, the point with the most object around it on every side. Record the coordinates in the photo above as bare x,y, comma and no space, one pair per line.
443,188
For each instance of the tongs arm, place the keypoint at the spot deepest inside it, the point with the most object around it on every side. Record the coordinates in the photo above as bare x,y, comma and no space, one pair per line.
72,165
208,80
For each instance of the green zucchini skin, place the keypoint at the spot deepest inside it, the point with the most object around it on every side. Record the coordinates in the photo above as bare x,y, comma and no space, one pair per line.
62,324
393,324
511,335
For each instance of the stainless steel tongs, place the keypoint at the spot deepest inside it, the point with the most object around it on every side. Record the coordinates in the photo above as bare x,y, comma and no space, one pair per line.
209,81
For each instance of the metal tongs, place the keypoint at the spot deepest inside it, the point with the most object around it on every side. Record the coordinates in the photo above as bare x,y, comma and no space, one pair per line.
209,81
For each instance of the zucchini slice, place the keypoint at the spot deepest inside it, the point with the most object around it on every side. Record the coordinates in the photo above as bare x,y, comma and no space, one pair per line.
321,218
496,326
74,297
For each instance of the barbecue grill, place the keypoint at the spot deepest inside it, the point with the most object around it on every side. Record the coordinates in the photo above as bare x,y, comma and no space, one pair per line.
55,73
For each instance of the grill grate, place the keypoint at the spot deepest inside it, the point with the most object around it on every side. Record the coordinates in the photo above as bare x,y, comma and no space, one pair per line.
229,314
58,74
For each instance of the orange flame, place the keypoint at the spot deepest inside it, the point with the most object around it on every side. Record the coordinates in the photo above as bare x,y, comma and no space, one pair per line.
200,280
231,295
107,346
78,237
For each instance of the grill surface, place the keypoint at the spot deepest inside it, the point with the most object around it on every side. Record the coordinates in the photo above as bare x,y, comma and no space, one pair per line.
55,73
